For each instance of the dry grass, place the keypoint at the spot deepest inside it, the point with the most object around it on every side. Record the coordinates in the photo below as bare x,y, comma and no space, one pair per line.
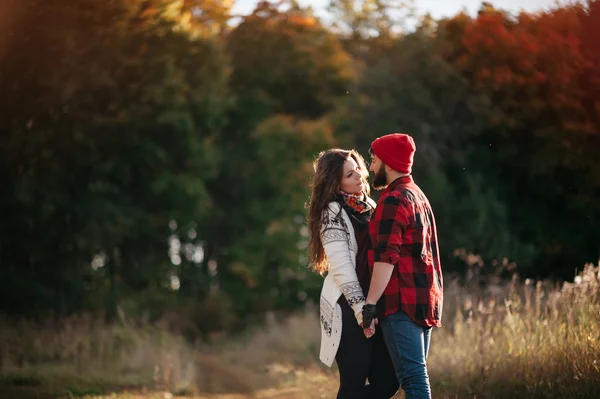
516,340
526,340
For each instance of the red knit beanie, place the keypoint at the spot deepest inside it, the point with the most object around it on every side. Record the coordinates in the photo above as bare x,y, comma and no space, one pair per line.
395,150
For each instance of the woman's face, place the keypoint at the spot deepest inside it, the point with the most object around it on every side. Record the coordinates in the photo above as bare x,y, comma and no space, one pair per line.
351,182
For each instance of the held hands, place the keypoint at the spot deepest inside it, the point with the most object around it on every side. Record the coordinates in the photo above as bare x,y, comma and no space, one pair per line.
369,314
370,331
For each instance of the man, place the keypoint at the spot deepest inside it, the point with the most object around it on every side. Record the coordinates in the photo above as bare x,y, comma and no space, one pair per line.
405,295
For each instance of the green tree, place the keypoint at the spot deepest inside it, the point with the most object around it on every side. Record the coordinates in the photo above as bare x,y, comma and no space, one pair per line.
109,123
269,254
286,62
409,86
287,73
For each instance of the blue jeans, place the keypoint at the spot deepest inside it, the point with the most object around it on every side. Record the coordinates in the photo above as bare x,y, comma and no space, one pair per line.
408,344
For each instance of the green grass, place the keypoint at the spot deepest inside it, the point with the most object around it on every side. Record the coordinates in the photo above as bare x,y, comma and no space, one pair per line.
20,380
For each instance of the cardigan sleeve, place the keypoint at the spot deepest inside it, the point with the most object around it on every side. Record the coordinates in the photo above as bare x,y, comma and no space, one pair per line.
334,236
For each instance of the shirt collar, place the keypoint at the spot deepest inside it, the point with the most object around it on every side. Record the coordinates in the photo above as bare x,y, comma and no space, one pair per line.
400,181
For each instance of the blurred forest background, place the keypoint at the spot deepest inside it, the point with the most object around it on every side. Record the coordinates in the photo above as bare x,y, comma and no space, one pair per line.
156,154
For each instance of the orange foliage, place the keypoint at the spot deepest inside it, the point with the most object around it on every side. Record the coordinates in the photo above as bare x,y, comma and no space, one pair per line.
302,20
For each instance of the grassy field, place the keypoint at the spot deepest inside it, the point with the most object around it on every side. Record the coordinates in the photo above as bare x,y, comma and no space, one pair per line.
521,339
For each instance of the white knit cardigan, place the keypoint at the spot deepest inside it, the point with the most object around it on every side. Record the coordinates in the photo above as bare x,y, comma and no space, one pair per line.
339,243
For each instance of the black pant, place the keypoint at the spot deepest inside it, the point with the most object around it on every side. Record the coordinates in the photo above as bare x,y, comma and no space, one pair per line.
359,358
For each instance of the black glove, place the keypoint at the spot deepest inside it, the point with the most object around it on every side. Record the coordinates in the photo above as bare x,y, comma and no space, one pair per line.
369,312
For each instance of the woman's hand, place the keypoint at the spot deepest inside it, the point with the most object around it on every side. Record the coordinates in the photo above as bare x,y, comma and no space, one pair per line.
370,331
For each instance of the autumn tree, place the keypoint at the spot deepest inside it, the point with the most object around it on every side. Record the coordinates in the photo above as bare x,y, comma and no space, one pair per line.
106,137
535,71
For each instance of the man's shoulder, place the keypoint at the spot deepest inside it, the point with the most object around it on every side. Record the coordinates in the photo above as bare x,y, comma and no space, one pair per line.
409,193
399,195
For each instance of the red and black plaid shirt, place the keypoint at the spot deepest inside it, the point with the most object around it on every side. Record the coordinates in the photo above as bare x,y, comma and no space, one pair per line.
403,233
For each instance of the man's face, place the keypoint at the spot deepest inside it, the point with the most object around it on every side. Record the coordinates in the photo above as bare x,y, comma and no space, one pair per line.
379,173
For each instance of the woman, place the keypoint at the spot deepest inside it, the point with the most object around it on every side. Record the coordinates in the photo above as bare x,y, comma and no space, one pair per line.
339,213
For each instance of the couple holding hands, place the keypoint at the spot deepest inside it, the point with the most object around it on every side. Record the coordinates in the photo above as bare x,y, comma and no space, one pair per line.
383,290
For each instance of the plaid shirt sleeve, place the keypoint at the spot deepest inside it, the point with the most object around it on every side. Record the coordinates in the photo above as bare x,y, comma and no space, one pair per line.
389,223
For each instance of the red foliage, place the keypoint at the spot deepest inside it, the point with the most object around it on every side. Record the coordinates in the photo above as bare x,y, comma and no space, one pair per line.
542,70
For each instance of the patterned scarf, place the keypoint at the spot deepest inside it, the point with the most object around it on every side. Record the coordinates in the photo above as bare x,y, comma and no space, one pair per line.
357,202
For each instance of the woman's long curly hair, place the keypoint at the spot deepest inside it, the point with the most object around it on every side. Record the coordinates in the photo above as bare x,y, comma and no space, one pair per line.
329,167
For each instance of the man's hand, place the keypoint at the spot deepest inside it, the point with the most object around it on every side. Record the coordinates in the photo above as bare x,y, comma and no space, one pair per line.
369,313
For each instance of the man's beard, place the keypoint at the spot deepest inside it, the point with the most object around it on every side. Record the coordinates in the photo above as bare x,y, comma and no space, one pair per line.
380,178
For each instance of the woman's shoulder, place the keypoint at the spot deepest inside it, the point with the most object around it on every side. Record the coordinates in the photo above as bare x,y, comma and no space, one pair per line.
334,206
333,215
